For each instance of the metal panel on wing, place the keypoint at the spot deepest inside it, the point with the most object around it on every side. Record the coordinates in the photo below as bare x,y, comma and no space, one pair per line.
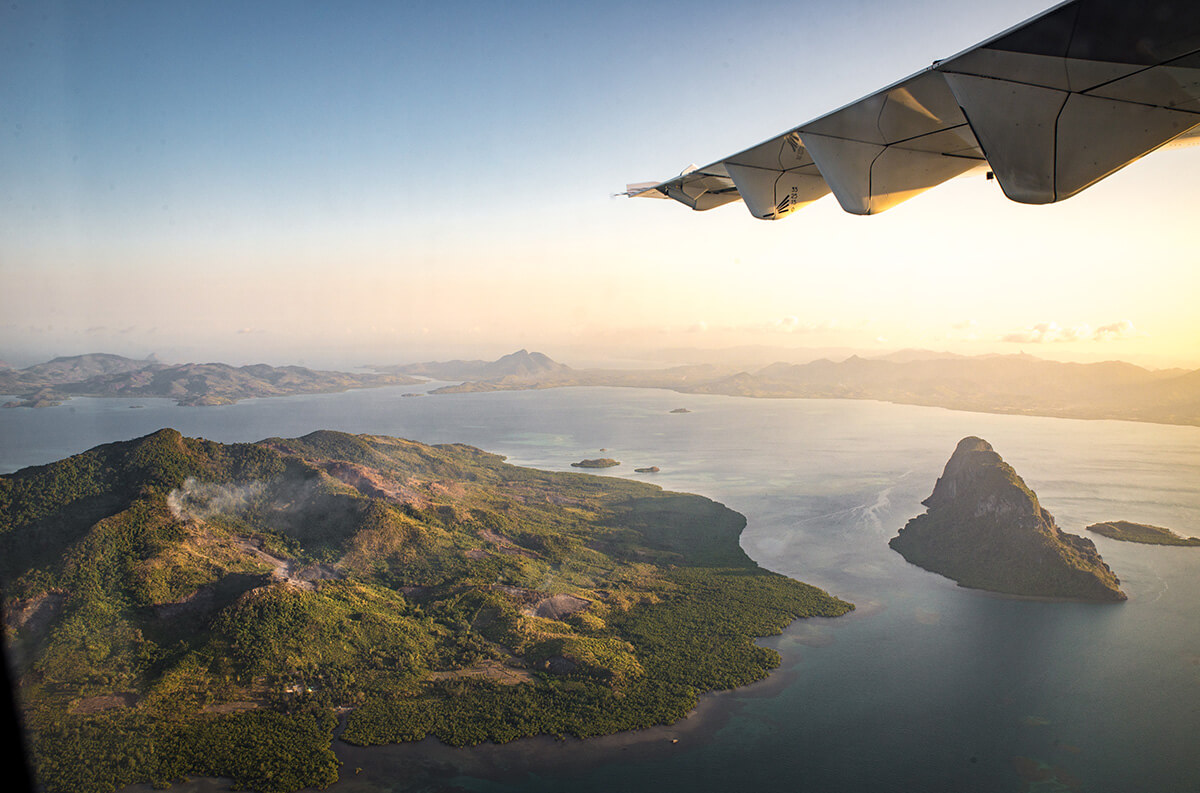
893,145
1050,106
1080,92
777,177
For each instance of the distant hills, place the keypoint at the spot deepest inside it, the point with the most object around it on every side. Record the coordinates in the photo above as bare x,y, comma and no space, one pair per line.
75,368
104,375
520,365
1019,384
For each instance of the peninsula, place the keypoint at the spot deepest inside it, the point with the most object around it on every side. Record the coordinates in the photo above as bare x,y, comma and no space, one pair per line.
985,529
177,607
1141,532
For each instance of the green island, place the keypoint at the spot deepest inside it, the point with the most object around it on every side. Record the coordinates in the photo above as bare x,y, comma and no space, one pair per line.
985,529
599,462
177,607
1141,532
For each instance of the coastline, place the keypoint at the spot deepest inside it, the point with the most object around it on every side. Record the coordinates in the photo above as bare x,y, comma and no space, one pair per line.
429,764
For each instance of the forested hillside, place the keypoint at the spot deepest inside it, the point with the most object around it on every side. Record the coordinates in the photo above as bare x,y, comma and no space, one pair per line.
182,607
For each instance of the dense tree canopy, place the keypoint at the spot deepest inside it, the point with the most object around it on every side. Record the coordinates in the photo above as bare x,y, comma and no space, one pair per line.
181,607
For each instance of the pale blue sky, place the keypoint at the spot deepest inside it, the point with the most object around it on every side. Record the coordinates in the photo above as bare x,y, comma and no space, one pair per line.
353,182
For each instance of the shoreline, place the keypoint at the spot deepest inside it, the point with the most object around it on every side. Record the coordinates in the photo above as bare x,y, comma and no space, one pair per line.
63,400
429,763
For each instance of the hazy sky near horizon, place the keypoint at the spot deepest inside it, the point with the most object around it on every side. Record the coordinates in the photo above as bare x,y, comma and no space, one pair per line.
350,183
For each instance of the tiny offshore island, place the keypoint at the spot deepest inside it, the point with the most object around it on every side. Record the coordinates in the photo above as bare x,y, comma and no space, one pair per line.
599,462
1142,532
178,607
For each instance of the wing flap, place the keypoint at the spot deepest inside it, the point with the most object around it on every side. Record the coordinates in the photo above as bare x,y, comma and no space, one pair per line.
774,178
1051,106
893,145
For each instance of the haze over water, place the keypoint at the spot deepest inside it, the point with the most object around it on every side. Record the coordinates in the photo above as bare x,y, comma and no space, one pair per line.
927,686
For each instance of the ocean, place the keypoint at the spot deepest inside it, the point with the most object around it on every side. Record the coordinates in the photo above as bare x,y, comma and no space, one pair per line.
925,687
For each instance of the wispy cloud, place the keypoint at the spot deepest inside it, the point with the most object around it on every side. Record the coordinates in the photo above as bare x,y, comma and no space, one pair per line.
1047,333
100,330
1052,332
964,330
789,324
793,324
1115,331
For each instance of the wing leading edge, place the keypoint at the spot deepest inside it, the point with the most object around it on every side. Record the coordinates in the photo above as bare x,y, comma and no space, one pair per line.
1049,107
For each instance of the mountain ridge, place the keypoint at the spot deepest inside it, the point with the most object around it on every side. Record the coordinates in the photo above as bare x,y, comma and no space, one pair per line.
1019,384
1013,384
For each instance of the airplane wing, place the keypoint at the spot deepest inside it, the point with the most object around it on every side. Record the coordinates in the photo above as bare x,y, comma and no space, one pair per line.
1048,107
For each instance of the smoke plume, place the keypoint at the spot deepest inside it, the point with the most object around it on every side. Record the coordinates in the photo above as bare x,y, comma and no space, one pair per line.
201,500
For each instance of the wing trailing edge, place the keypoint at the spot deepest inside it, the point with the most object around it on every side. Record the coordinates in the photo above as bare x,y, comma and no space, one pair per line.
1049,107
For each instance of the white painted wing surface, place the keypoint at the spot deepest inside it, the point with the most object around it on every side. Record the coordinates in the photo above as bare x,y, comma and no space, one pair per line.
1049,107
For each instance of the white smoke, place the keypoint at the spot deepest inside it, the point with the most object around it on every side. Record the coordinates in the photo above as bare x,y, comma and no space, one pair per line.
200,500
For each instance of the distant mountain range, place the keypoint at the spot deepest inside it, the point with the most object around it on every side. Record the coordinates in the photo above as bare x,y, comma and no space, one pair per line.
100,374
521,364
1018,384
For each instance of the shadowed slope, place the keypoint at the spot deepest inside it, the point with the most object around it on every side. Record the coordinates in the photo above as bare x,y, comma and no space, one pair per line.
985,529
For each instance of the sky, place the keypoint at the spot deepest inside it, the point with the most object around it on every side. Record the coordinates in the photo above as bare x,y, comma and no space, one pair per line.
371,183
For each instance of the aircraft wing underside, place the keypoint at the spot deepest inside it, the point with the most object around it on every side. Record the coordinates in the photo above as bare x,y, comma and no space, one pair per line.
1049,107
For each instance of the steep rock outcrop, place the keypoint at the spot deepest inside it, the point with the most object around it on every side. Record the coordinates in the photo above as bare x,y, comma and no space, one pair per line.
985,529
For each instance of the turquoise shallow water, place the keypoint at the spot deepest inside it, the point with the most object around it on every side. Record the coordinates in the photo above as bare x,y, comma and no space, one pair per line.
927,687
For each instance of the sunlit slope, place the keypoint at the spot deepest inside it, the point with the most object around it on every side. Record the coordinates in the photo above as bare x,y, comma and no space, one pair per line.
182,607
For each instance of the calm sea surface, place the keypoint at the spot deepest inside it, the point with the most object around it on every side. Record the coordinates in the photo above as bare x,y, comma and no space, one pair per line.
926,687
